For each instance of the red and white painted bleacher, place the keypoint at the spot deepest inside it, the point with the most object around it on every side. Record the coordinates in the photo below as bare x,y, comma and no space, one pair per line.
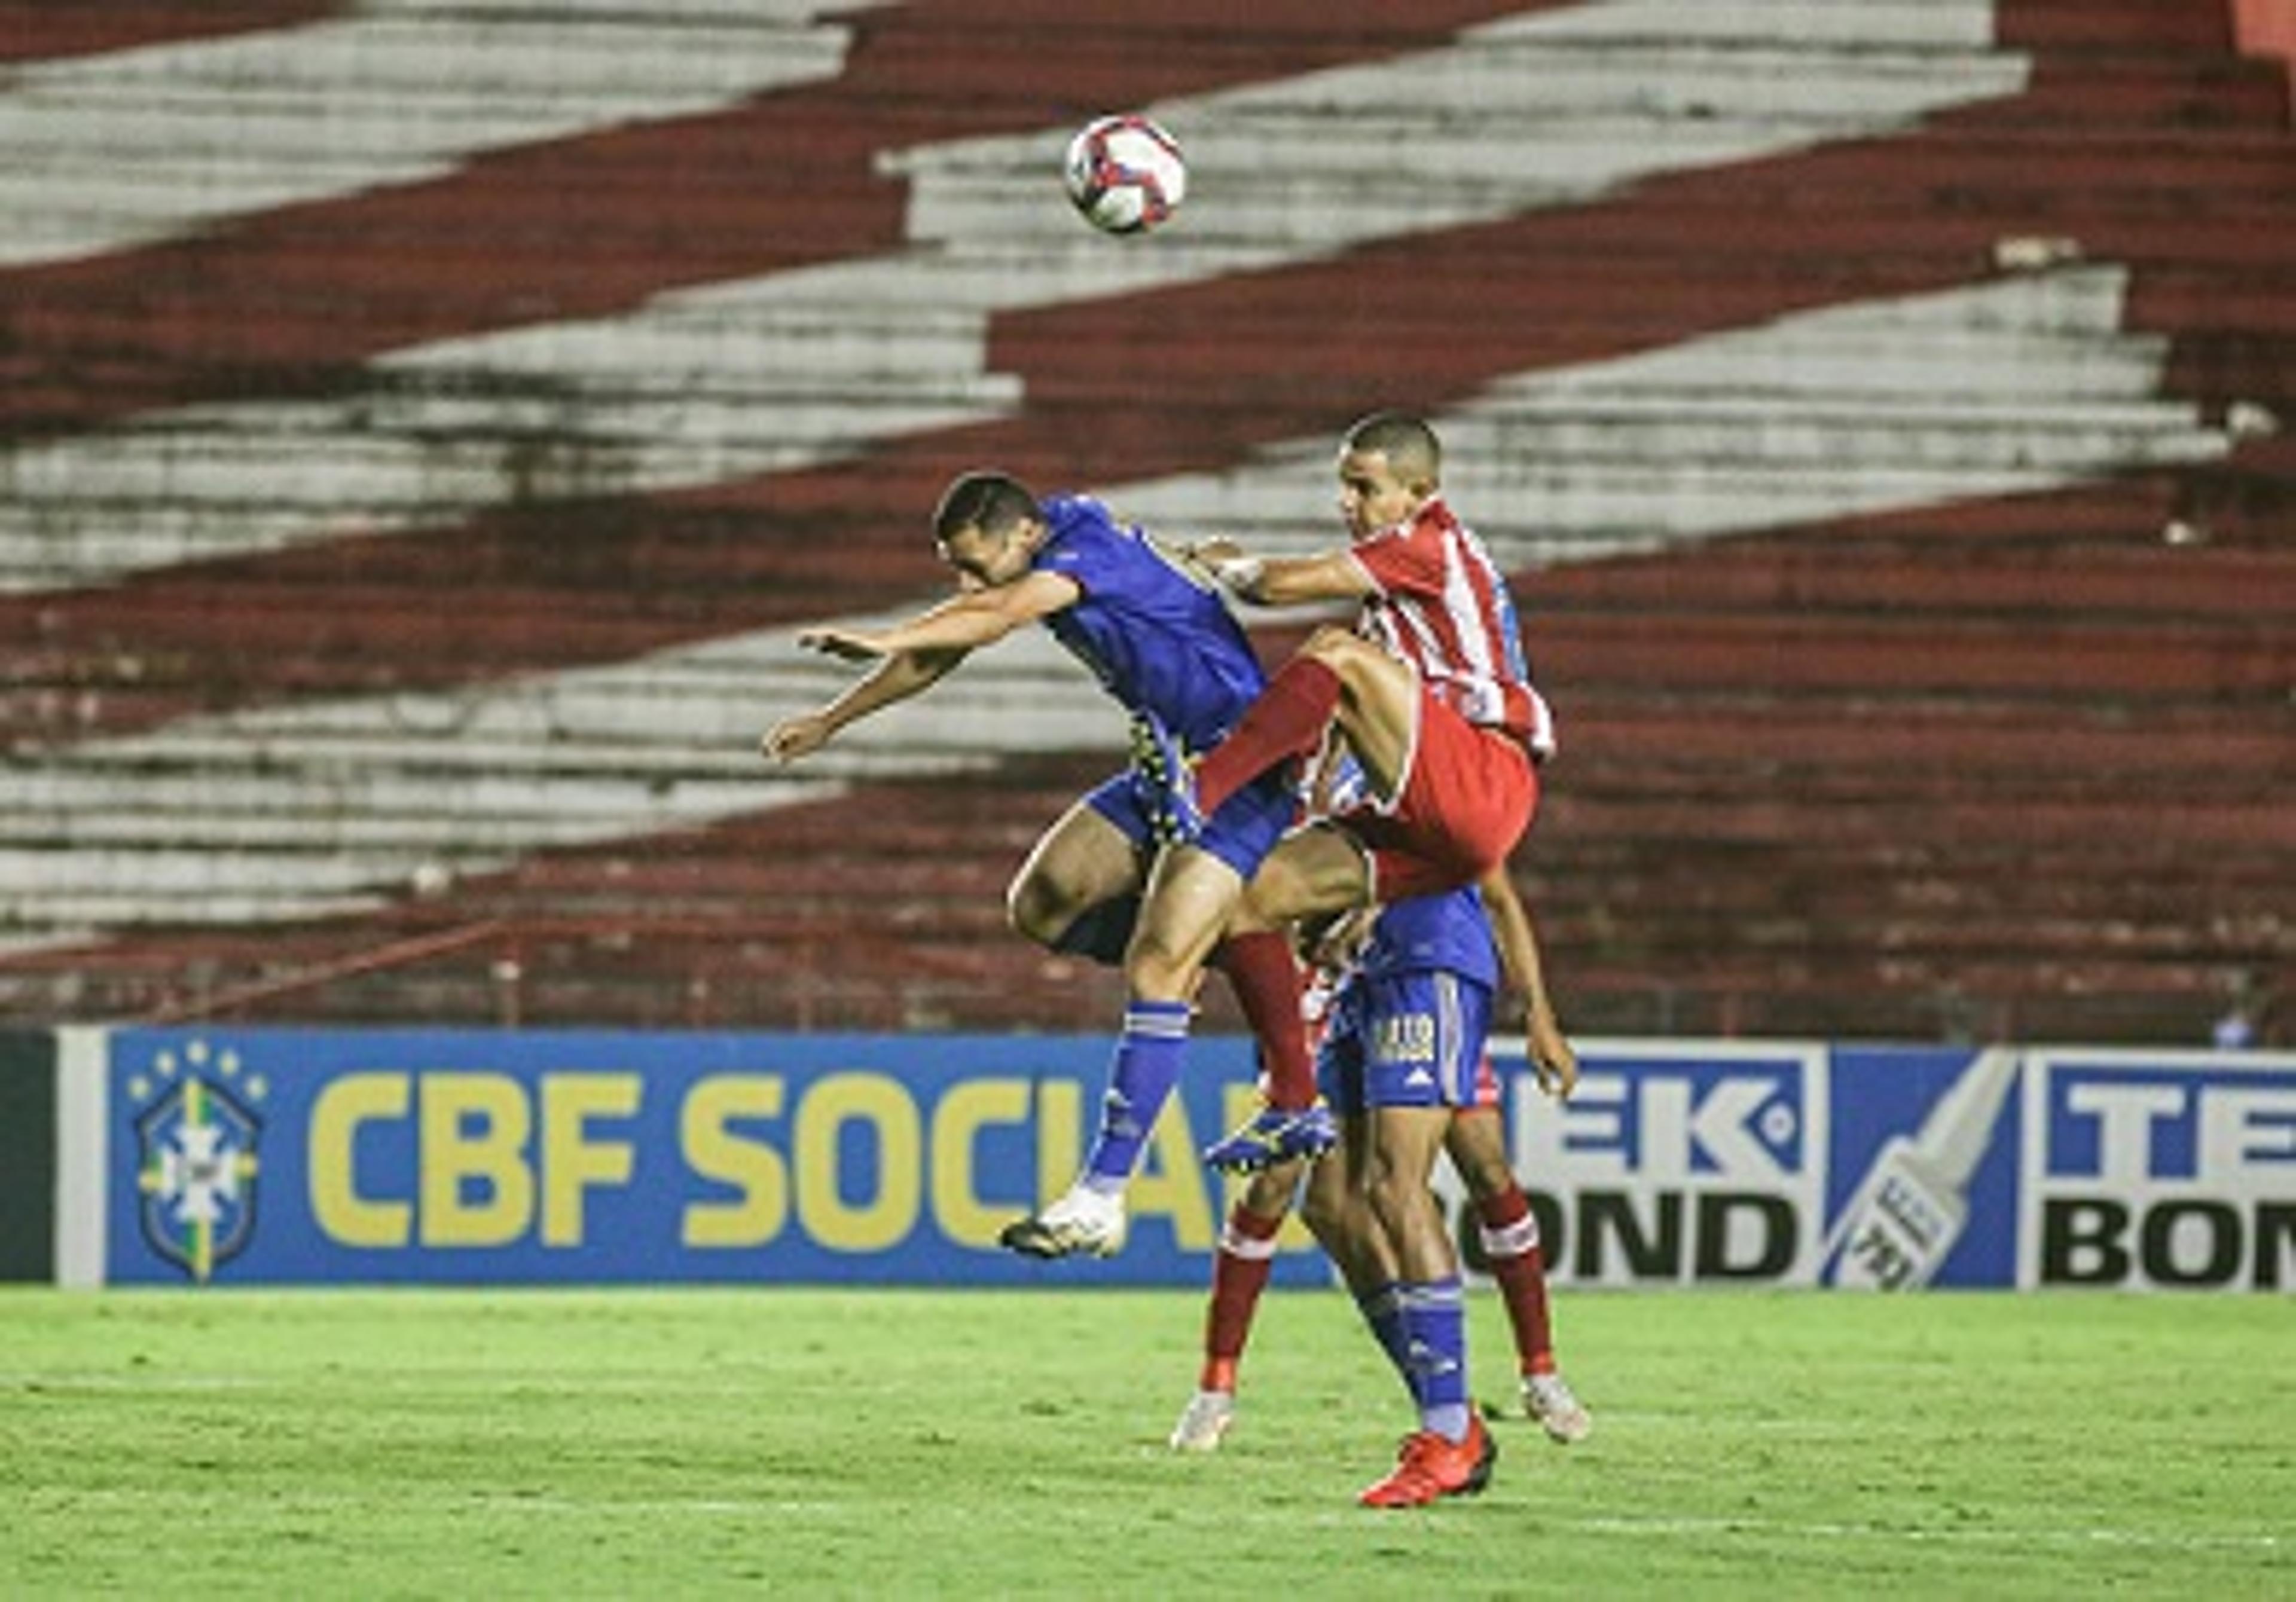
427,428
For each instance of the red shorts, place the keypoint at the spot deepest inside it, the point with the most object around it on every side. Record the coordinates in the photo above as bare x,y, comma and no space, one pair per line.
1470,794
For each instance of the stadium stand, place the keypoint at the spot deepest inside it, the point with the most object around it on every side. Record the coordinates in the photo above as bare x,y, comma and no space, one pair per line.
425,428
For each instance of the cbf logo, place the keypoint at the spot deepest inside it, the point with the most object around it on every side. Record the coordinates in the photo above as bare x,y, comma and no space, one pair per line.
196,1135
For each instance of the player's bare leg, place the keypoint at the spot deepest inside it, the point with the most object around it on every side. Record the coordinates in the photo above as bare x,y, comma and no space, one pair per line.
1082,863
1314,870
1451,1453
1378,709
1239,1270
1395,1187
1336,680
1337,1211
1190,898
1079,893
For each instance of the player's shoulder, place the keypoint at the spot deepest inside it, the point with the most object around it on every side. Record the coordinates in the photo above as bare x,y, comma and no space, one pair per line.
1080,536
1436,521
1432,525
1069,516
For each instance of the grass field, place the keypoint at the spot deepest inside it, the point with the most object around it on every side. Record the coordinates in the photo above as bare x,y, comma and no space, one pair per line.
903,1442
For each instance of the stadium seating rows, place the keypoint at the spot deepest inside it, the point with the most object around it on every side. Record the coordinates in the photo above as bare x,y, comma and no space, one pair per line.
1883,408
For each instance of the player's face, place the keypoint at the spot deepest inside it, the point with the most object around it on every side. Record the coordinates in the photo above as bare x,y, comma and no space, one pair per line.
984,560
1372,496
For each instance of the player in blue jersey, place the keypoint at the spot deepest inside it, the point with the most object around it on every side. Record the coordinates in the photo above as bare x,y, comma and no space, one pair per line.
1160,640
1402,1056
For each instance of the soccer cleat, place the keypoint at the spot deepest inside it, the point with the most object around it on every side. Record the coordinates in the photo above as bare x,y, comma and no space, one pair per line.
1429,1467
1275,1135
1168,785
1547,1399
1083,1222
1203,1421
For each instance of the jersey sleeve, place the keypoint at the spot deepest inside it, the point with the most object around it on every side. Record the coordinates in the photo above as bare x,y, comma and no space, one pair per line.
1068,559
1406,562
1077,550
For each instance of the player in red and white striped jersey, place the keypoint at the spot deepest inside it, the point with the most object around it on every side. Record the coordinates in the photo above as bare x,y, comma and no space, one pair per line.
1430,693
1441,604
1446,755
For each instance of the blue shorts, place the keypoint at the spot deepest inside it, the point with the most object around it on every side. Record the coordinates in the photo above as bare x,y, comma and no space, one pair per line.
1241,834
1407,1040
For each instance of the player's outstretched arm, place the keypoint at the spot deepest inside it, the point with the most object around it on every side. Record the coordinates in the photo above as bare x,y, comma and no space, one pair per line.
1552,1060
913,656
1282,580
980,616
895,678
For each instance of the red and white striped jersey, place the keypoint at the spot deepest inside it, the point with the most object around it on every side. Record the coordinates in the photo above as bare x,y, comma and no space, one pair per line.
1442,606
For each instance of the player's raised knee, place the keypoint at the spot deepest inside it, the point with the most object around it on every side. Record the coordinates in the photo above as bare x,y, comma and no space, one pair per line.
1338,647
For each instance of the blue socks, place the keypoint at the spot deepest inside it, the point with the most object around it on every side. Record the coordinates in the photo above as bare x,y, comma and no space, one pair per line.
1140,1081
1382,1309
1422,1329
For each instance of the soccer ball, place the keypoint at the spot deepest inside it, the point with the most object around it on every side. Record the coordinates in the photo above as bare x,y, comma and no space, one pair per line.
1125,174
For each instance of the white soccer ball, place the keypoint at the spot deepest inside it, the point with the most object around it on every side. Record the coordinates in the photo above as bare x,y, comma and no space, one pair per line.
1126,174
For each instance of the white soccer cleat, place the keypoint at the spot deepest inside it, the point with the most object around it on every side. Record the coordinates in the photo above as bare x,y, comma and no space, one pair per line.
1204,1421
1547,1399
1084,1222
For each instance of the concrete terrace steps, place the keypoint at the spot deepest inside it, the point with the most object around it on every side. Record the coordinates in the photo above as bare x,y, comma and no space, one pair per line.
1997,879
2147,577
1866,762
2107,27
2200,205
2068,659
2139,579
1870,756
1787,952
1943,941
1998,732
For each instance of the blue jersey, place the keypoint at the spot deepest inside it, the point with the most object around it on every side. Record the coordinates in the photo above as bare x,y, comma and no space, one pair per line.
1156,639
1448,933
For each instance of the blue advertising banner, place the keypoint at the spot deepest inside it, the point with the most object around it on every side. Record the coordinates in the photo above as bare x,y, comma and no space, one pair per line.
1892,1168
284,1156
308,1156
2152,1174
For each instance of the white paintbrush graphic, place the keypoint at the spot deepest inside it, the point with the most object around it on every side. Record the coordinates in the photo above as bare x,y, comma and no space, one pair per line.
1903,1220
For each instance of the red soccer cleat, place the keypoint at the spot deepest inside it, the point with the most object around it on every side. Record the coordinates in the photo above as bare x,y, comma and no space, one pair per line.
1429,1466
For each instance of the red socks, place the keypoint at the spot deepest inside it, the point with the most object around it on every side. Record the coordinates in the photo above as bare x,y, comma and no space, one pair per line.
1287,719
1511,1242
1247,1252
1266,977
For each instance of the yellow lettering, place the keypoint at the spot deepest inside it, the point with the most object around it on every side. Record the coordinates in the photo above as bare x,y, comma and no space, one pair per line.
751,1167
493,1154
1171,1181
571,1161
1060,1136
885,1218
341,1212
956,1123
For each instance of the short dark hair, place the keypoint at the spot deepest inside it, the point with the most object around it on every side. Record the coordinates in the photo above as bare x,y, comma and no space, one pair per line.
1407,442
990,502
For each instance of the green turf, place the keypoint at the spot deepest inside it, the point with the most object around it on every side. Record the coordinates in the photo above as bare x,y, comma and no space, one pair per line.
894,1442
